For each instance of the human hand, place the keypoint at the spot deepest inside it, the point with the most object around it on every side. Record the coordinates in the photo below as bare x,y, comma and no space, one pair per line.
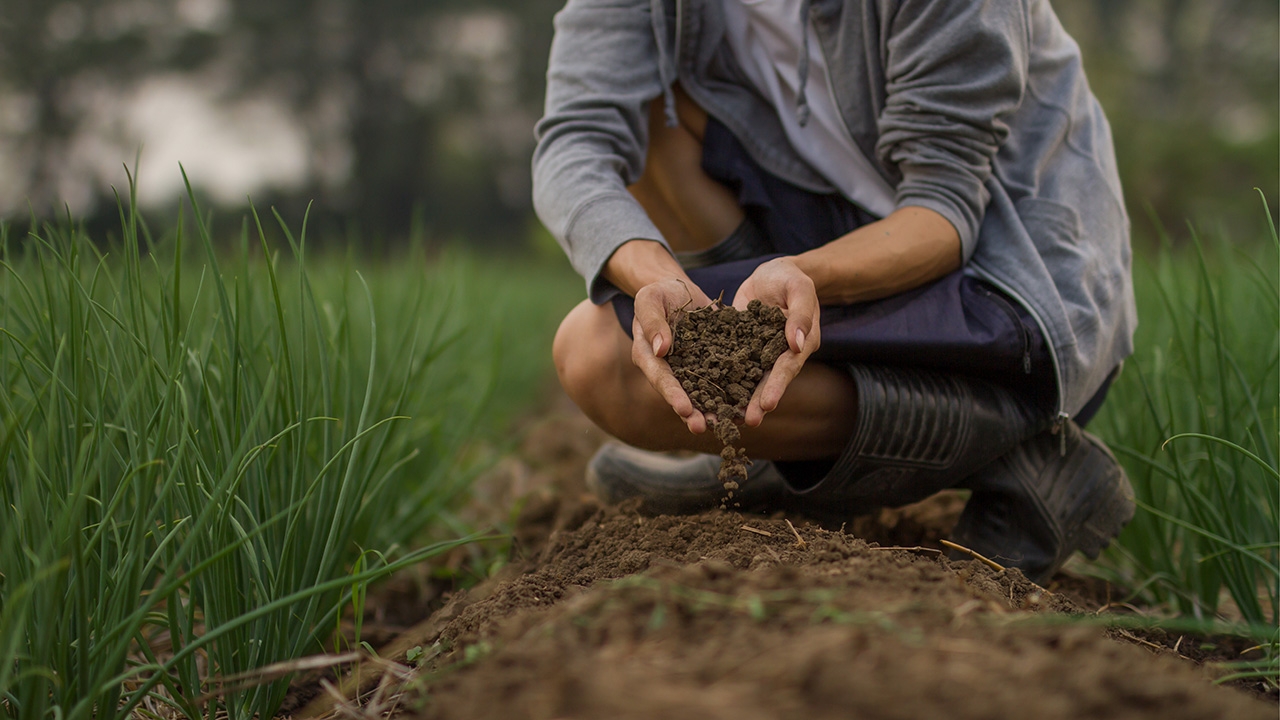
652,338
782,283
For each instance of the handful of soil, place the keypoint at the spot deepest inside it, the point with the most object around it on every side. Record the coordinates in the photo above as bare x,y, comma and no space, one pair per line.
719,355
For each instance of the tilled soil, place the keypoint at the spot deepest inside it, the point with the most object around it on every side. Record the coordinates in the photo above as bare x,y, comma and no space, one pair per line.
604,613
634,617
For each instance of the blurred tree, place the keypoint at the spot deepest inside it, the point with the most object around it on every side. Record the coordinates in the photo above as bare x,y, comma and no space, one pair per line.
426,105
56,60
403,104
1192,89
397,106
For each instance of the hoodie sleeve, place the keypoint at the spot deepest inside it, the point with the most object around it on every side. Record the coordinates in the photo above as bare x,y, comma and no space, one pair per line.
591,141
955,71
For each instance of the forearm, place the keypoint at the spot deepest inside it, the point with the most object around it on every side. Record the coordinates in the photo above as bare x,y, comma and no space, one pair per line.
910,247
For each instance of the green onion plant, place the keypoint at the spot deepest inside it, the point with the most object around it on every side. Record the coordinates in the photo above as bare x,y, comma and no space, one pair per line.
206,455
1193,418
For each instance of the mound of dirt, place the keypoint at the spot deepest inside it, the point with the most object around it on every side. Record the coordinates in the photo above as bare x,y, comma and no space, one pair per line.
719,354
727,616
603,613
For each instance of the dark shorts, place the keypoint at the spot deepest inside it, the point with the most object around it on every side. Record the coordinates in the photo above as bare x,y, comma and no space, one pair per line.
956,324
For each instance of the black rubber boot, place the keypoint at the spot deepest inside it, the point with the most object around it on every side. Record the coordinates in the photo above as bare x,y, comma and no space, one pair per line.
672,485
917,432
1051,496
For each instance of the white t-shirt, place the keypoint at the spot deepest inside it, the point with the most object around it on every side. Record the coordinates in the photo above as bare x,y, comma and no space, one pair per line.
765,38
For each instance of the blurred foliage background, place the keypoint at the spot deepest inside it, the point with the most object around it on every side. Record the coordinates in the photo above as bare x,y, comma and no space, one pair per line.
389,113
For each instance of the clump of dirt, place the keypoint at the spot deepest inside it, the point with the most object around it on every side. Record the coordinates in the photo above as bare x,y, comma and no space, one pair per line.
720,354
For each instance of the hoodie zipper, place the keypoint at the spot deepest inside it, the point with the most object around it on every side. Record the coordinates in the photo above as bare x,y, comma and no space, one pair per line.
1062,416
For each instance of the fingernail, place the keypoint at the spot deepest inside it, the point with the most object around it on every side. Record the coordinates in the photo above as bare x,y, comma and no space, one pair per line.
799,338
657,343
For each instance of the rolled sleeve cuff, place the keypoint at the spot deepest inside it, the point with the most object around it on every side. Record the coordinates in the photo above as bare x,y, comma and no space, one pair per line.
939,191
597,230
968,237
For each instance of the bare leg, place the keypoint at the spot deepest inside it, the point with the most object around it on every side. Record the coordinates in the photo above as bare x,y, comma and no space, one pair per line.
693,211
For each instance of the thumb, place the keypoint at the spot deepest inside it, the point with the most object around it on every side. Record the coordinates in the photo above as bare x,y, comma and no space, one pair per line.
651,323
795,339
801,324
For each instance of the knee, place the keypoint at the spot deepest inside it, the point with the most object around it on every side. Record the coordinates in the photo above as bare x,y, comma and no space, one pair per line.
593,362
577,350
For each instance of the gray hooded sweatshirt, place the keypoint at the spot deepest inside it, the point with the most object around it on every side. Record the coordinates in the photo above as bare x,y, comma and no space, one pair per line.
979,111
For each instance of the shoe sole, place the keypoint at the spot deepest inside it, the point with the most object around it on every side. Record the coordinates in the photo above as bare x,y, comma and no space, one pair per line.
683,486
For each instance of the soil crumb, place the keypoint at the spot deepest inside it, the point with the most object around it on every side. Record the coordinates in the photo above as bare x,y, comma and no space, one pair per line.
720,354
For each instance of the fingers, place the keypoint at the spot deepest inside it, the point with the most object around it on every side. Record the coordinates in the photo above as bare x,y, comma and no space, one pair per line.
772,387
754,414
657,302
780,282
800,303
651,333
650,325
802,312
658,373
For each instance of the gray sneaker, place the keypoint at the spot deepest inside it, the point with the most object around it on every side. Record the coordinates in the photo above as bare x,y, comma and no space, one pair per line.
673,485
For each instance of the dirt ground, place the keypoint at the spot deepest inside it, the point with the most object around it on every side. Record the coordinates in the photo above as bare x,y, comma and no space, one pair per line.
604,613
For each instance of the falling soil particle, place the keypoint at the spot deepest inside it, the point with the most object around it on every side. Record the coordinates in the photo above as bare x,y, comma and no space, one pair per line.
720,354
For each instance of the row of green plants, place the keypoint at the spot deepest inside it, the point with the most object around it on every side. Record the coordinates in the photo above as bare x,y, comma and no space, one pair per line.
1194,419
207,453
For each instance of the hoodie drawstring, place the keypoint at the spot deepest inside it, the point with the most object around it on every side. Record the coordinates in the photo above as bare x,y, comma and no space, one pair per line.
802,102
665,73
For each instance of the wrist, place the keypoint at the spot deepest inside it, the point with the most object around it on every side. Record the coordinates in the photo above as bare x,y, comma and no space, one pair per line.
815,267
637,263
